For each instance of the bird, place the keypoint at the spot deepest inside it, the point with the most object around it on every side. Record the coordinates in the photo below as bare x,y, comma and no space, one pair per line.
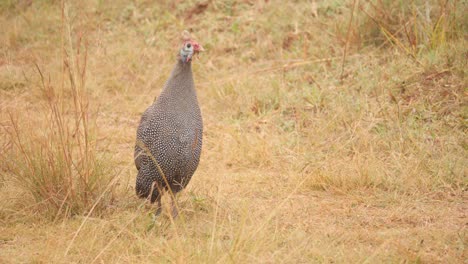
169,136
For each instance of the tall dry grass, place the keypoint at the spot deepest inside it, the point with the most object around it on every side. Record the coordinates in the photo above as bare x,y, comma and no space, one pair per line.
52,153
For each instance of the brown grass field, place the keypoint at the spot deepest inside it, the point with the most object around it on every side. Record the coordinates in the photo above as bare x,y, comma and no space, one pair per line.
334,131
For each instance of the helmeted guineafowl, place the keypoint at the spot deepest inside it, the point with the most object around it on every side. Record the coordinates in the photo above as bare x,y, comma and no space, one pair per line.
169,137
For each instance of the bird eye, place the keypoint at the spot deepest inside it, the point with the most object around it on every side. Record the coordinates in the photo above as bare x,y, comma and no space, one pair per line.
189,45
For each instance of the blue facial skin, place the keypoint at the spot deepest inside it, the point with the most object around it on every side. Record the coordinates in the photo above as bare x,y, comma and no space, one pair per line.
186,52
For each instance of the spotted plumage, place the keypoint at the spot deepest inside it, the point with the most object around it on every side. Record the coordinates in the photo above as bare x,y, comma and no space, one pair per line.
169,137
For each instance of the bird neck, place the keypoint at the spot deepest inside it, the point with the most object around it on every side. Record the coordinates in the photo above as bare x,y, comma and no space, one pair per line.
181,79
182,67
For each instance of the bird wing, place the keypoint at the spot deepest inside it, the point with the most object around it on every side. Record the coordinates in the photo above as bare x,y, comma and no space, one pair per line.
142,141
190,143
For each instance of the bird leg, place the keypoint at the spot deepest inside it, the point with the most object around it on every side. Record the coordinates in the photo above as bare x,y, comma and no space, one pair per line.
155,196
158,208
175,211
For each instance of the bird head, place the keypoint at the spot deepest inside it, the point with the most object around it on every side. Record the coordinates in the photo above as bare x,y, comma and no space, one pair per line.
189,47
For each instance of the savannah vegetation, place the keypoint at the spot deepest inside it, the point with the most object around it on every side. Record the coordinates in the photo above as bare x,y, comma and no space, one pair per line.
335,131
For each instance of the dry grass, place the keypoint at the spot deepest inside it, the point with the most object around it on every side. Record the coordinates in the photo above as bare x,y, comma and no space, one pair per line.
310,154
